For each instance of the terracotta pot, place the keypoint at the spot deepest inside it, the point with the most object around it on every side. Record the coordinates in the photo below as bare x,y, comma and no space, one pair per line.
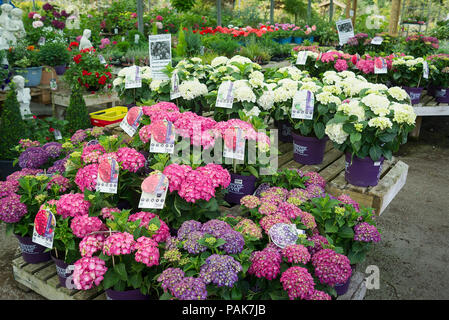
48,73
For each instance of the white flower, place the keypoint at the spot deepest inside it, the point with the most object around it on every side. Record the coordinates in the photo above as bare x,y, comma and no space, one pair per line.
218,61
310,85
380,122
403,113
335,89
398,93
256,79
37,24
266,100
117,81
335,132
281,94
347,74
353,108
289,84
254,112
37,16
378,104
197,60
327,97
243,92
331,77
239,59
192,89
156,84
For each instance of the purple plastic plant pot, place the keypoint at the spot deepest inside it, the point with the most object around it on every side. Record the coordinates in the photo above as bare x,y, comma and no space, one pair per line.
431,90
414,93
308,150
442,95
363,172
284,130
61,270
239,187
60,70
32,252
134,294
343,288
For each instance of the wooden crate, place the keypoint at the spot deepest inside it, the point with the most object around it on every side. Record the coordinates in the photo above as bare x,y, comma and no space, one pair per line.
428,107
332,169
43,279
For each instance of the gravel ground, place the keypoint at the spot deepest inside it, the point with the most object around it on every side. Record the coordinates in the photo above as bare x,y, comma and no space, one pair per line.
412,257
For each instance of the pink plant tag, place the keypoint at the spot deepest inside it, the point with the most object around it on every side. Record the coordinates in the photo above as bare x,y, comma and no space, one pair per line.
154,191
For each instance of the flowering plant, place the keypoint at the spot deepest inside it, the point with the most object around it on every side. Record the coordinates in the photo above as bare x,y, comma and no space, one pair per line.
133,95
357,44
439,70
418,45
408,71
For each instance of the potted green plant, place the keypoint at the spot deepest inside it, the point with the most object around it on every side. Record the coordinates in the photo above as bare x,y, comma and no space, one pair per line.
26,62
298,35
439,77
408,73
55,54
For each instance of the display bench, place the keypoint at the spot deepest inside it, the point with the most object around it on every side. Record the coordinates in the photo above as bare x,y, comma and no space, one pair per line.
40,94
428,107
94,102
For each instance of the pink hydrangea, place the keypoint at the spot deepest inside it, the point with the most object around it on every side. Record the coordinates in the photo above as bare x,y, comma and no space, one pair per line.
88,271
145,133
250,201
130,159
176,174
92,153
331,268
319,295
147,251
314,178
267,209
86,178
348,200
288,210
197,186
8,187
91,244
145,217
308,220
296,253
106,213
265,264
218,175
119,243
268,221
62,182
249,228
24,172
83,225
298,282
111,155
11,209
341,65
72,205
318,242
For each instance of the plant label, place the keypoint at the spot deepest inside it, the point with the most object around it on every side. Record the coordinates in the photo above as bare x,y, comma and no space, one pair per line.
425,70
380,65
302,58
377,40
160,55
202,50
345,30
41,41
234,144
131,121
44,228
154,191
283,234
174,86
107,178
102,59
225,95
303,105
123,38
116,31
136,38
133,80
58,135
162,137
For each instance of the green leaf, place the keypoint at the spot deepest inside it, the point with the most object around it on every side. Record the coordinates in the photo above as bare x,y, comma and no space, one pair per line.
135,280
355,137
346,232
329,227
165,296
375,153
236,294
110,279
319,130
253,171
120,268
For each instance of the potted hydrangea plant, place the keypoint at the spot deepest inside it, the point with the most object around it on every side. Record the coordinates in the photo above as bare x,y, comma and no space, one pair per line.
439,77
408,72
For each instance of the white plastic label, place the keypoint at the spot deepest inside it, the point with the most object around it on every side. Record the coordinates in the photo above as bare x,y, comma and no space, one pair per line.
303,105
425,70
302,58
225,96
377,40
283,234
163,137
174,86
154,191
58,135
380,66
102,59
134,80
234,144
53,84
44,228
131,121
107,178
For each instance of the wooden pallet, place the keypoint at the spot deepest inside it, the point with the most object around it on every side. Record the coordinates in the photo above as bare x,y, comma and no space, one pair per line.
332,169
428,107
43,279
41,94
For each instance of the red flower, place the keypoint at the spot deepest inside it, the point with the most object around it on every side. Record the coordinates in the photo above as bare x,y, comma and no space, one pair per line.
97,74
51,129
34,117
77,58
47,138
102,80
86,73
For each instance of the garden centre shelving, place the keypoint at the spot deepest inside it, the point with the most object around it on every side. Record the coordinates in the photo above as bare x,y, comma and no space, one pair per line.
428,107
40,94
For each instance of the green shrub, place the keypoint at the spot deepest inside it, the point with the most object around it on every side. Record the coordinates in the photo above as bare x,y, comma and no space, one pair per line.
77,114
194,43
54,54
222,44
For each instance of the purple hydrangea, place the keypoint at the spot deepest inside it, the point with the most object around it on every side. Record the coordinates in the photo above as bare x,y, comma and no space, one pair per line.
33,158
187,227
53,149
79,136
348,200
11,209
318,242
47,7
8,187
215,227
171,243
315,191
221,270
191,243
234,242
331,268
24,172
190,289
58,166
315,179
366,233
169,277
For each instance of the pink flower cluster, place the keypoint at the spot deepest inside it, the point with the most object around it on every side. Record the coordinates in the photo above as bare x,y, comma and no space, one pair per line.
91,244
86,178
130,159
11,209
92,153
83,225
298,282
8,187
88,271
119,243
106,213
318,243
348,200
366,64
296,253
266,263
62,182
145,217
72,205
22,173
331,268
199,184
147,251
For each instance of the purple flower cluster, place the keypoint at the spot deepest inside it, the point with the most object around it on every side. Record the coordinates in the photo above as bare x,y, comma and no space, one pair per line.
79,136
33,158
315,179
190,288
215,227
187,227
348,200
366,233
234,242
8,187
169,277
298,282
58,166
331,268
11,209
318,242
53,149
191,243
221,270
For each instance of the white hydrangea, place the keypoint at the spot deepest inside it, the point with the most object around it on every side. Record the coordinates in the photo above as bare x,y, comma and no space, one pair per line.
331,77
398,93
312,54
293,72
347,74
403,113
117,81
336,133
145,73
240,59
156,84
310,85
327,97
380,122
192,89
218,61
335,89
353,108
243,92
377,103
256,79
197,60
266,100
281,94
289,84
254,112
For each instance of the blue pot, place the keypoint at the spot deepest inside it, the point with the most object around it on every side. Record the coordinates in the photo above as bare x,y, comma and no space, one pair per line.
277,40
298,40
311,39
32,76
285,40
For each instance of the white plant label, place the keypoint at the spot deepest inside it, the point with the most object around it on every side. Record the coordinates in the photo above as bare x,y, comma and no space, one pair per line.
58,135
131,121
133,80
283,234
380,66
44,228
102,59
345,30
425,70
234,144
116,31
302,58
303,105
107,178
225,95
53,84
163,137
41,41
377,40
160,55
136,38
174,86
154,191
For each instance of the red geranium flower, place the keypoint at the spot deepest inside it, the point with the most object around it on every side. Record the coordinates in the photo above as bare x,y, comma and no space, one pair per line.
102,80
77,58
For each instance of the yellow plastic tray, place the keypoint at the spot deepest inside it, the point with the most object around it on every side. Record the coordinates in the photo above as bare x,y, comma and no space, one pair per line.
110,114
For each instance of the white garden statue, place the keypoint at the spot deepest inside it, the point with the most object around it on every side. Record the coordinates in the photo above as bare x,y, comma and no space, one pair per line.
85,42
23,96
17,23
6,27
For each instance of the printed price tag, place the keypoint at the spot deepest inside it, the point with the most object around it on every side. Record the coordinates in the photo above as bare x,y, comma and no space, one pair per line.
225,96
303,105
102,59
234,147
174,86
53,84
377,40
44,228
425,70
107,178
283,234
131,121
133,81
116,31
154,191
380,66
58,135
41,41
162,137
302,58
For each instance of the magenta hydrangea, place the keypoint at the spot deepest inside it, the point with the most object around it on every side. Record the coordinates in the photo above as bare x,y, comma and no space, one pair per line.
250,201
83,225
220,177
288,210
318,242
130,159
268,221
366,233
175,174
331,268
197,186
8,187
319,295
265,264
22,173
119,243
147,251
79,136
92,153
72,205
88,271
86,178
296,253
62,182
161,234
91,244
298,282
315,178
11,209
106,213
348,200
